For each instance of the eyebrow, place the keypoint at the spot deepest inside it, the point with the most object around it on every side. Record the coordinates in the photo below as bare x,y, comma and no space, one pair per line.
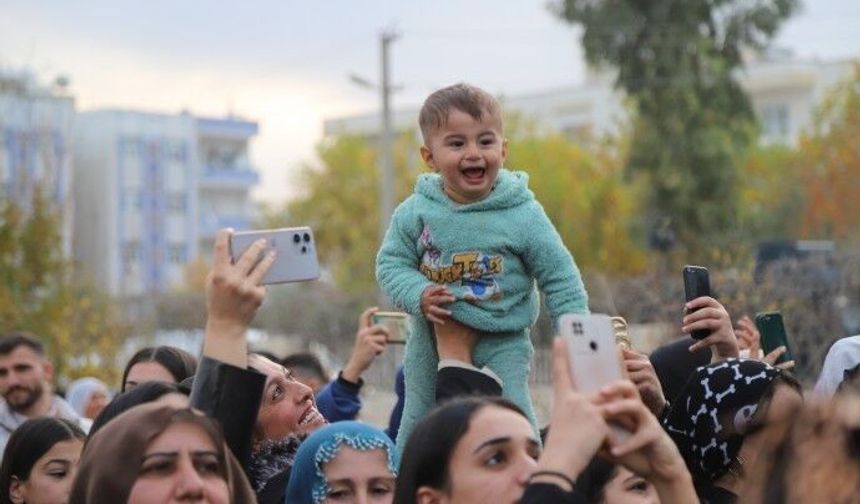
57,461
195,453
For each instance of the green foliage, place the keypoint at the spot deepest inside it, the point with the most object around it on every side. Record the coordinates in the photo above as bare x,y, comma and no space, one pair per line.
693,123
78,324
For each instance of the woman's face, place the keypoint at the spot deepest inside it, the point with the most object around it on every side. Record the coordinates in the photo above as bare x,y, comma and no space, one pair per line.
628,488
288,406
180,465
359,477
493,460
143,372
98,401
51,476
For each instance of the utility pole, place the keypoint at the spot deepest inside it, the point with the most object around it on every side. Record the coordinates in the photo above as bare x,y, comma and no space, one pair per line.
386,168
386,141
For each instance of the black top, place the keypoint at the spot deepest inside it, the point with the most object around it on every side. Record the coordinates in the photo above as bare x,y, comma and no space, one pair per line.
674,364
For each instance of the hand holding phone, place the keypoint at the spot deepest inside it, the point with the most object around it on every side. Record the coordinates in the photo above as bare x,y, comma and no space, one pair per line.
697,283
295,253
770,326
397,324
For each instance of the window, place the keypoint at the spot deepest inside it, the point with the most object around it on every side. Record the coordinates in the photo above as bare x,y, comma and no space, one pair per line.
176,253
132,252
176,203
774,122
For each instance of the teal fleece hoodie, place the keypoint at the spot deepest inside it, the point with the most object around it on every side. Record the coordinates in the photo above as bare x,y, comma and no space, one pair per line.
491,254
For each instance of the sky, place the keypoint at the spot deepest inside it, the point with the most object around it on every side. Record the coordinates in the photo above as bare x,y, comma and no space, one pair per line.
285,63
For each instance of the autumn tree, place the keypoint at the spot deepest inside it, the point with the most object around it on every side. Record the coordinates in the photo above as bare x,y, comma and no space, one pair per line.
80,326
677,60
830,161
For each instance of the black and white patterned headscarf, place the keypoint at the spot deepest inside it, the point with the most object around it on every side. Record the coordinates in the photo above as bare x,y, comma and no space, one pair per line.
712,413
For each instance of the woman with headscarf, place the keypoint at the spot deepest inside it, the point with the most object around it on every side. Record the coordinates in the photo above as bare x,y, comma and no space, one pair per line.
88,397
716,420
348,461
841,363
157,453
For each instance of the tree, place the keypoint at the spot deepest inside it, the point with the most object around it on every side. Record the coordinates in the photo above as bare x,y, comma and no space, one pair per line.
585,196
80,327
830,161
676,60
341,204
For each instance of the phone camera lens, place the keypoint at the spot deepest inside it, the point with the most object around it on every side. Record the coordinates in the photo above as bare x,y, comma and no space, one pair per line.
593,345
297,238
306,237
304,249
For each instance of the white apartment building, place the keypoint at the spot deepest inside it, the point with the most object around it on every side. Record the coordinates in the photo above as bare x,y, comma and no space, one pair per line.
35,139
784,92
151,190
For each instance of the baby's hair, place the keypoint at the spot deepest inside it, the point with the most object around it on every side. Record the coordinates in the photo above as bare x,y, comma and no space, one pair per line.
461,96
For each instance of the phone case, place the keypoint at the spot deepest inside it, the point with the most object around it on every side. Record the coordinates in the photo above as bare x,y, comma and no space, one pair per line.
697,283
295,249
397,324
773,335
593,353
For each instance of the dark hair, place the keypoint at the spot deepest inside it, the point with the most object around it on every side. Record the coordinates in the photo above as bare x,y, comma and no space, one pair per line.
305,364
178,363
591,482
428,450
463,97
28,443
10,341
143,393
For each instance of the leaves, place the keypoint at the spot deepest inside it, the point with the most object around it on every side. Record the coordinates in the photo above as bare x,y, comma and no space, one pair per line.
676,60
80,326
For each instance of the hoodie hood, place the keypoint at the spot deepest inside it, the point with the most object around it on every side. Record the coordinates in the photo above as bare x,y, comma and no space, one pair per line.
511,189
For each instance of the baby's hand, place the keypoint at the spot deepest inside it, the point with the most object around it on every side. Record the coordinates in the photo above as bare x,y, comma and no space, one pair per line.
431,299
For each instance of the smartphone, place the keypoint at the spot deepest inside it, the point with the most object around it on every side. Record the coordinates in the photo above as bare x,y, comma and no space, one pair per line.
397,324
773,335
697,283
295,249
593,354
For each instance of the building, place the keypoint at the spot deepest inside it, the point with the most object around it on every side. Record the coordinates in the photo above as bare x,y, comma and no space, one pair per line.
784,92
35,137
151,192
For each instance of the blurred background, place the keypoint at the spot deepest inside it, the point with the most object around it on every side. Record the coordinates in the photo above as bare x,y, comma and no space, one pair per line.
656,135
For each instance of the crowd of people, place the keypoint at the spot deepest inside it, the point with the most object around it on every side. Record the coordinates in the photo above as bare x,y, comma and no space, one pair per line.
710,420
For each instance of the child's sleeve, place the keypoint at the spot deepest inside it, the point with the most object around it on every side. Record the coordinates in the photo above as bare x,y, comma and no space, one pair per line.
397,261
553,267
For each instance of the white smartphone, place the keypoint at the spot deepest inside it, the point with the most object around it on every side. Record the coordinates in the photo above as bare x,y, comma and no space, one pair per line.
295,249
592,353
397,324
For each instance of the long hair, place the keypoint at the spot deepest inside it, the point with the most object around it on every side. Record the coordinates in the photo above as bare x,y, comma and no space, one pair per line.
177,362
428,451
142,394
33,439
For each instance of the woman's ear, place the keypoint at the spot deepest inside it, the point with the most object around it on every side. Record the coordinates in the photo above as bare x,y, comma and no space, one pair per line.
427,156
430,495
17,492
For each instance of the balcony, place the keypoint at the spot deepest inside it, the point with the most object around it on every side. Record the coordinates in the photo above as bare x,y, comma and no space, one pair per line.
228,178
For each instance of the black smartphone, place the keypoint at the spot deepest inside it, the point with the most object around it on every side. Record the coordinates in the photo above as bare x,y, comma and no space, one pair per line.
773,335
697,283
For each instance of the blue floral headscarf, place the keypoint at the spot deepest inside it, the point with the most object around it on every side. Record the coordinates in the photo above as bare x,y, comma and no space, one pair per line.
307,483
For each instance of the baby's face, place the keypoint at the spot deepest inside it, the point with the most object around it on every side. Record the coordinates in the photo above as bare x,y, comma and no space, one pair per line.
467,154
